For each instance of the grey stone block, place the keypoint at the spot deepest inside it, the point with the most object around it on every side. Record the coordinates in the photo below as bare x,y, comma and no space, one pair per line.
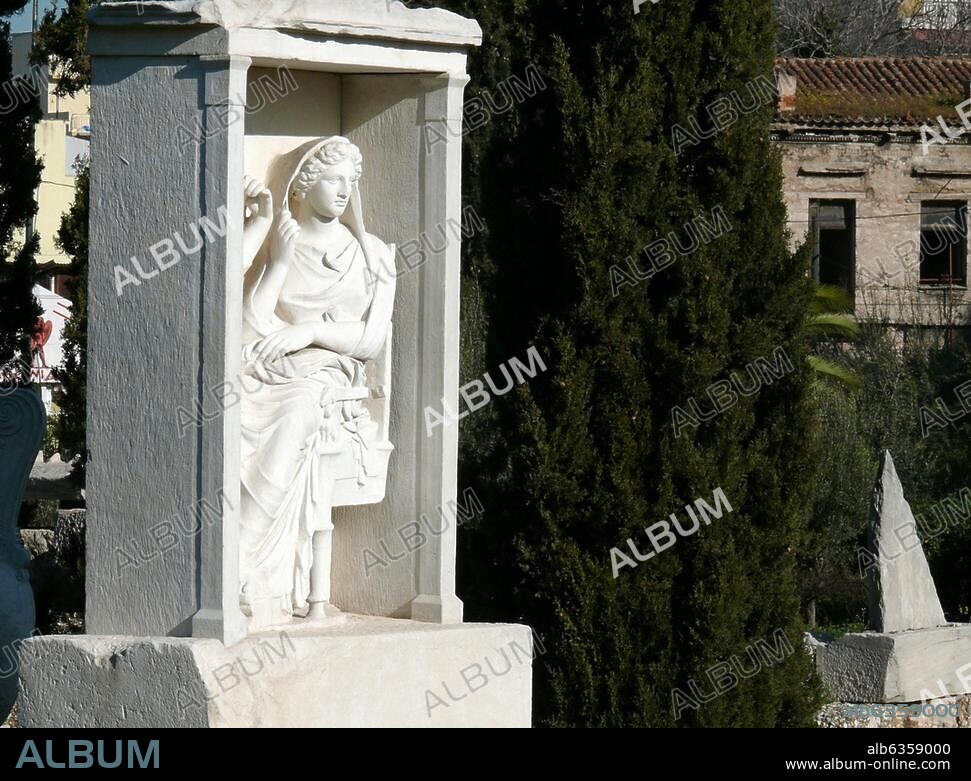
367,672
901,667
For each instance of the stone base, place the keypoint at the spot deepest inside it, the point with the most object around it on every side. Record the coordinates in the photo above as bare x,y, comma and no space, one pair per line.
366,672
912,666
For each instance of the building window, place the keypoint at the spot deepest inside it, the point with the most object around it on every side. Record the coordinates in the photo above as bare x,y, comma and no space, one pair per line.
833,227
943,243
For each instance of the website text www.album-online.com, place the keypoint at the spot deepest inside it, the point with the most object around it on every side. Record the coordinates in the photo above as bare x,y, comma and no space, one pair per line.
893,756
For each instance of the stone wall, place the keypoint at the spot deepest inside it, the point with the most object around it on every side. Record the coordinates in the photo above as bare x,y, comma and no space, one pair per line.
887,180
846,714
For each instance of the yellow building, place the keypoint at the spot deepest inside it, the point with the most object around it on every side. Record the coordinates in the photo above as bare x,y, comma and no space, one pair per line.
61,139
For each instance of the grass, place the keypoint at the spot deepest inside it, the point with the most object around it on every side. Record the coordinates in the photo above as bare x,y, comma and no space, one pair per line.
838,630
849,104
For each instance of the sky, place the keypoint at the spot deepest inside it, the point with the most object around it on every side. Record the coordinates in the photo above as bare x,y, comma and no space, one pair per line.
21,22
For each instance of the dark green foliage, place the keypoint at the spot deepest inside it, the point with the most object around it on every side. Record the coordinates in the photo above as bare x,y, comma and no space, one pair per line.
570,182
830,583
61,42
897,380
18,309
934,467
19,178
8,7
71,398
950,554
57,572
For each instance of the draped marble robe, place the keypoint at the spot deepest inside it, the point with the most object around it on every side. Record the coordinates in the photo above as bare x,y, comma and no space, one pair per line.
307,405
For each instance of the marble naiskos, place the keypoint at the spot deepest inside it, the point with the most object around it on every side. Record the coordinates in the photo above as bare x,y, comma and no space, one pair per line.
383,78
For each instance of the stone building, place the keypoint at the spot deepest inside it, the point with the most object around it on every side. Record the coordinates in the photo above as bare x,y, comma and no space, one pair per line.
877,167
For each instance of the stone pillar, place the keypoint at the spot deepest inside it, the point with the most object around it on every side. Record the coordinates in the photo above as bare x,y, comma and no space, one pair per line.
222,171
164,339
441,205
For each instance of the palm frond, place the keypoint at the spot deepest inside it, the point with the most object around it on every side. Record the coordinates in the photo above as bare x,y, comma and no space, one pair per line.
832,325
830,298
825,368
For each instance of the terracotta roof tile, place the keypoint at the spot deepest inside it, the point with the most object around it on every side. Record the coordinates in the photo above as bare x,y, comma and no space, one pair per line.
875,91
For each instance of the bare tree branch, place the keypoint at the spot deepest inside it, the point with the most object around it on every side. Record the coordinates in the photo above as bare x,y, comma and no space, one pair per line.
832,28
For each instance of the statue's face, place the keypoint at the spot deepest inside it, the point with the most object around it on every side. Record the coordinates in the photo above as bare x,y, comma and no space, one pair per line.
332,192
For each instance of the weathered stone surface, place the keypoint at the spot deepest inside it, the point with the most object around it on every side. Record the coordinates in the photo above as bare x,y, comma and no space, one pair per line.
52,480
370,19
898,716
901,590
37,542
813,641
855,667
22,420
899,667
367,672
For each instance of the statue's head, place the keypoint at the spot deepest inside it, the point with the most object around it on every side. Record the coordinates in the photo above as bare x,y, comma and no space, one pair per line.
328,177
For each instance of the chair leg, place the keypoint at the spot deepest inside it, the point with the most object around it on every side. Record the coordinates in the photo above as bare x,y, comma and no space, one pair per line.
320,575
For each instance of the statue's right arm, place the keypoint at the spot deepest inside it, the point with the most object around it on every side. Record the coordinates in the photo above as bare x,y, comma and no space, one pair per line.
259,219
266,292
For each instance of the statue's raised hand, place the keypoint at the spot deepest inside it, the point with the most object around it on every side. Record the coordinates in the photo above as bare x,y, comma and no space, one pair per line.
259,200
258,218
285,237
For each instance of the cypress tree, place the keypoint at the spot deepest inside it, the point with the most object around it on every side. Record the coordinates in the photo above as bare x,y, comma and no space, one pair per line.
71,398
570,182
19,178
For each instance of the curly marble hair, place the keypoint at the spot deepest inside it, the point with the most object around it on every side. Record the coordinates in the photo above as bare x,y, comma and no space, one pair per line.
335,150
